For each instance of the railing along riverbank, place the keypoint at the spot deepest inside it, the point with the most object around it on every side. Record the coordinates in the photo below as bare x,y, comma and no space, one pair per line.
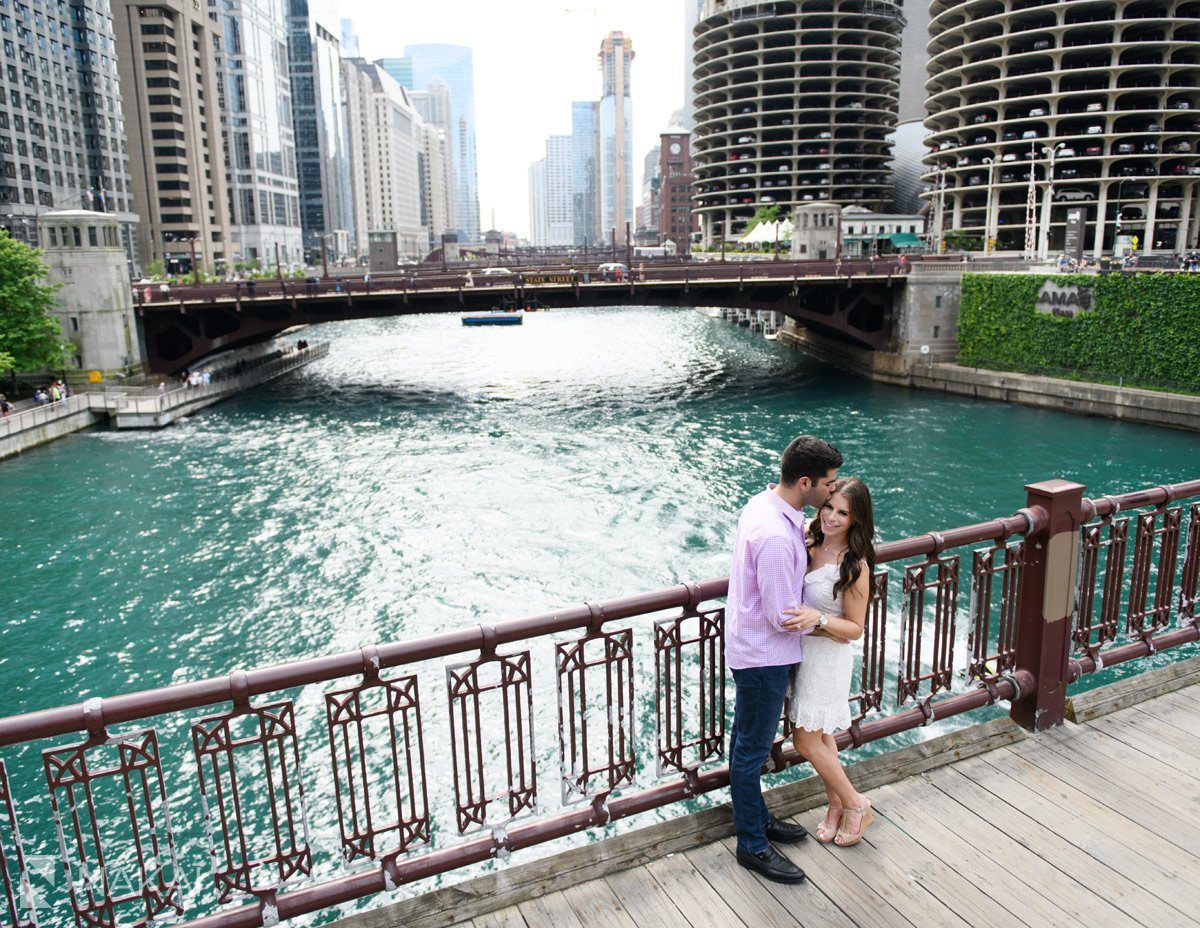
1060,589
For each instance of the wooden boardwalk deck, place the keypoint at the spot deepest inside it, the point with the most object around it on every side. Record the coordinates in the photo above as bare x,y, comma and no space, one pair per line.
1092,824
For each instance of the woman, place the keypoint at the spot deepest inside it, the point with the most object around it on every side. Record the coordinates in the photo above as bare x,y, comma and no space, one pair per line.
841,562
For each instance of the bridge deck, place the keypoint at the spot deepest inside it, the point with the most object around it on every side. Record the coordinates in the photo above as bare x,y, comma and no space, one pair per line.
1091,824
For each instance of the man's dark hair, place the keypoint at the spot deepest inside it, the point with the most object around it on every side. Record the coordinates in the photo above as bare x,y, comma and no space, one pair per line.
808,456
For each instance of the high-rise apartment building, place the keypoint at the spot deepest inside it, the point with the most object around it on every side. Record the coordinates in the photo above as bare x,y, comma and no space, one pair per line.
537,203
585,190
551,221
167,54
676,221
62,128
321,125
386,144
693,12
453,66
616,134
257,114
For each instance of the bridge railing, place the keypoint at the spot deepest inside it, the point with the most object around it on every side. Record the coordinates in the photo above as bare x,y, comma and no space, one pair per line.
419,757
44,414
474,279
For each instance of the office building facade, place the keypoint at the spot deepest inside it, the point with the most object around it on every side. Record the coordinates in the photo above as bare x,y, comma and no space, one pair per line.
62,125
257,121
321,126
453,66
585,190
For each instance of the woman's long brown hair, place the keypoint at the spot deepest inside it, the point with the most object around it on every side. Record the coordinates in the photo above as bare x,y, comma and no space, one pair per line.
860,539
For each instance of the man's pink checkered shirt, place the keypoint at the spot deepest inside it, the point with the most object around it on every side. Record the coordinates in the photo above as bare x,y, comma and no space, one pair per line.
767,576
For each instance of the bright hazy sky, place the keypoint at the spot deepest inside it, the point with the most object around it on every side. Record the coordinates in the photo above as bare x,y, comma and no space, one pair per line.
532,58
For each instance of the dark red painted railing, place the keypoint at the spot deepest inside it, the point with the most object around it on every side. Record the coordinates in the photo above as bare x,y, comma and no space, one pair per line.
1047,590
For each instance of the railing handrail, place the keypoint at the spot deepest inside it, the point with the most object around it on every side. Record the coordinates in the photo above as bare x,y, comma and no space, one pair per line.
180,696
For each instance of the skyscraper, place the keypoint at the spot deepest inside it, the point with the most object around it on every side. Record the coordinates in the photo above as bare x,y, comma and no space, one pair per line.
387,146
400,70
693,12
62,132
550,195
320,123
453,66
257,114
585,192
437,171
167,56
616,134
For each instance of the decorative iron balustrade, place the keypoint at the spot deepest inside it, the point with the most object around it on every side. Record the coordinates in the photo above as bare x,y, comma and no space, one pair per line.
1047,590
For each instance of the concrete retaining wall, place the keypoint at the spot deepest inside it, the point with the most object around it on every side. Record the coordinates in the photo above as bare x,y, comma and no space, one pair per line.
49,431
1149,407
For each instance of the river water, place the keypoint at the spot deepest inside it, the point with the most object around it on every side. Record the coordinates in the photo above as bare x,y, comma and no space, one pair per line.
424,476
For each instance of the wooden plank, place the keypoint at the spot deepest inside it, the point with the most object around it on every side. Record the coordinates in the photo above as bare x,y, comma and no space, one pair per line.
1123,800
1111,885
952,889
549,911
645,901
514,883
1177,708
1117,841
1121,764
501,918
893,877
760,902
978,855
1133,690
835,873
596,904
693,895
1146,733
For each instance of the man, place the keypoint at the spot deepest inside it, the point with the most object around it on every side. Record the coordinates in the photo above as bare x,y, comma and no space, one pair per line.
762,644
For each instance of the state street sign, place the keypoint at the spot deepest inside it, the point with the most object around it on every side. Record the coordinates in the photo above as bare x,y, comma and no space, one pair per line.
1056,300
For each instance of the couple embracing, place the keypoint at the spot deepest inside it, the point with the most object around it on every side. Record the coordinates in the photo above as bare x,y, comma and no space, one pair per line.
798,596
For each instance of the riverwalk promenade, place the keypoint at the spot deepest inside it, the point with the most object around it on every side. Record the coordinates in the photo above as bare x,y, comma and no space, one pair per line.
1089,824
136,407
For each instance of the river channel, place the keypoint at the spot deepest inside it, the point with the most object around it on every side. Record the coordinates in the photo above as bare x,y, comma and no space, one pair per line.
424,476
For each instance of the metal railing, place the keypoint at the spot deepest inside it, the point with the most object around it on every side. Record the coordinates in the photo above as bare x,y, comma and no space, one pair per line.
37,416
1039,597
154,403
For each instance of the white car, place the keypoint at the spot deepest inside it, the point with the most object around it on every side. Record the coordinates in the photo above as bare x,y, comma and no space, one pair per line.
1094,130
1037,111
824,135
1011,156
1030,134
1066,153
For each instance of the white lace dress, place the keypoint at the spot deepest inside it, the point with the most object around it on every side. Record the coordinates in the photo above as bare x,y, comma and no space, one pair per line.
820,685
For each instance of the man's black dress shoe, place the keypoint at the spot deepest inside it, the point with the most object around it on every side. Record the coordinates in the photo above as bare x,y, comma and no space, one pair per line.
782,832
771,865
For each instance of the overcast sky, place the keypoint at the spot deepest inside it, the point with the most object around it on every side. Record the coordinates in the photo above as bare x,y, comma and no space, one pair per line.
532,58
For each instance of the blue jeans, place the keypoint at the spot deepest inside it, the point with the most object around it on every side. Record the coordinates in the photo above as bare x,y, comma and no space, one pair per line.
757,709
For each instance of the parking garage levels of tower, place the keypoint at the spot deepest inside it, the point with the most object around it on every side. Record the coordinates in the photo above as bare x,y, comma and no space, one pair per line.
1037,111
793,103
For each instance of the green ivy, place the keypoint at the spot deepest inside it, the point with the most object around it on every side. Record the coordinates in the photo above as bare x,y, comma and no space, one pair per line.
1143,329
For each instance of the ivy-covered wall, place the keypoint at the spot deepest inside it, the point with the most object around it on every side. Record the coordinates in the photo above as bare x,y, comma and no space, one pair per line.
1141,328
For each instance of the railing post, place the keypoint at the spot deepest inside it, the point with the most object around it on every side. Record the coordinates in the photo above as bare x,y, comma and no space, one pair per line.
1046,602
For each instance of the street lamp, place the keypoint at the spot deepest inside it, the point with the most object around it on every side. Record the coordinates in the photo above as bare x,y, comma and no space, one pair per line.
1047,200
987,210
941,208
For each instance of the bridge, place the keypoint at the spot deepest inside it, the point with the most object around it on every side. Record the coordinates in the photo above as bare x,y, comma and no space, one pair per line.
853,301
426,764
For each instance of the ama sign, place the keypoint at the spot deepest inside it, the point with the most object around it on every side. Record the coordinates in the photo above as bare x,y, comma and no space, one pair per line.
1056,300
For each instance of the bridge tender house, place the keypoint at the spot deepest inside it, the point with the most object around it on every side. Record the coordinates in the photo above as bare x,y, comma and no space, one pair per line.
1058,300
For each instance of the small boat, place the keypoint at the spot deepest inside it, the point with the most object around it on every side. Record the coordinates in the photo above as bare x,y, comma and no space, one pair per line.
494,317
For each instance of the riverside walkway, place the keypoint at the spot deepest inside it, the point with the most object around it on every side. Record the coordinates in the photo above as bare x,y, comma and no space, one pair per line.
1091,824
135,407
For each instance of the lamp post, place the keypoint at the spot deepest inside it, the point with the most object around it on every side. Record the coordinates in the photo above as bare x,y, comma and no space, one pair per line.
1047,200
941,209
987,209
